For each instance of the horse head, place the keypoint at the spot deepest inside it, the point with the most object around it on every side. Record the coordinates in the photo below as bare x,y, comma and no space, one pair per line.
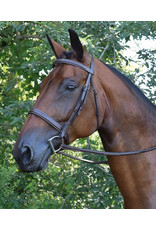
60,91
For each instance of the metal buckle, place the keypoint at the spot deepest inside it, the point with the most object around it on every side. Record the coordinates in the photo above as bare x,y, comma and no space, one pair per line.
52,146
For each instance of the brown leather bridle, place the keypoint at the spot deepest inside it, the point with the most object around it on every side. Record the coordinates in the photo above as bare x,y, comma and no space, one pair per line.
62,130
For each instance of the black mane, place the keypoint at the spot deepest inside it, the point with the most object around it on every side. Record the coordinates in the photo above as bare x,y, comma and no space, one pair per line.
130,84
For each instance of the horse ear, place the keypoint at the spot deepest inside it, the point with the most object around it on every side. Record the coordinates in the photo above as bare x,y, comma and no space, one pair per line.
76,44
56,47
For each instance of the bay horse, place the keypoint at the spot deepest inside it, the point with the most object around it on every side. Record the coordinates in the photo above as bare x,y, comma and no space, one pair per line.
106,101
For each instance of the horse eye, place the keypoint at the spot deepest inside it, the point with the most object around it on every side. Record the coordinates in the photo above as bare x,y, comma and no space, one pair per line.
70,87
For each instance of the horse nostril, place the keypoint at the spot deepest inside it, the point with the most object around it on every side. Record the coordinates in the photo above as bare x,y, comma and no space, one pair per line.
26,155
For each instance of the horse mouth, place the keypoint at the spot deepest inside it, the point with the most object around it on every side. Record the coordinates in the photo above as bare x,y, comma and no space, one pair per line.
34,158
44,161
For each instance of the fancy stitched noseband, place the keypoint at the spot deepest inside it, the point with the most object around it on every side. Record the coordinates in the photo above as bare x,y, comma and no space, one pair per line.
77,109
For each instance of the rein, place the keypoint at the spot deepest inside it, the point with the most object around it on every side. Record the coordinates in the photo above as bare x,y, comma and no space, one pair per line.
77,109
75,149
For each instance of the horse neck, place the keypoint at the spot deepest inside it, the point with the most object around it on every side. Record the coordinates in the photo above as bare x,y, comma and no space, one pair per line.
129,119
129,124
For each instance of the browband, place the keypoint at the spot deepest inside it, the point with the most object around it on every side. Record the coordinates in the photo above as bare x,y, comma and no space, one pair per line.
74,63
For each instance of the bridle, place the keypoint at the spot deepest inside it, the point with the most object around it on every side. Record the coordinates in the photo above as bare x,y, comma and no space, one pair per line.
62,130
79,105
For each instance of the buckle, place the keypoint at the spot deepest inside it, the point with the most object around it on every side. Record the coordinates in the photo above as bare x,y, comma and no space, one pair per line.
52,146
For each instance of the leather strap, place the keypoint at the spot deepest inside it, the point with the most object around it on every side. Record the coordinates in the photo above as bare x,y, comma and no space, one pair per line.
74,63
82,159
46,118
75,149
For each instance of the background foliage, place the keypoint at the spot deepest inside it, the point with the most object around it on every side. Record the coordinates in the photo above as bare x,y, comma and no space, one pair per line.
25,59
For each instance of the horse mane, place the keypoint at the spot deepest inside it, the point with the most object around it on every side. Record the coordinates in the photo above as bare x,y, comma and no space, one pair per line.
131,85
125,79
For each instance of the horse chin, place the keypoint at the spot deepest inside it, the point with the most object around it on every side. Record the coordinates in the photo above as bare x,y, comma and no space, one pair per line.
44,161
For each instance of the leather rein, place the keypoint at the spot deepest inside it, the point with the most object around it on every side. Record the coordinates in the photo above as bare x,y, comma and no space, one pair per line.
77,109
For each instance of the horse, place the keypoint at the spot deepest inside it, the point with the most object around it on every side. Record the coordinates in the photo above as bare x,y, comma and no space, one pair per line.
111,105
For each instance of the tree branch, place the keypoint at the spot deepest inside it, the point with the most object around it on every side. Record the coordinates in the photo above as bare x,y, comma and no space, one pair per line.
103,52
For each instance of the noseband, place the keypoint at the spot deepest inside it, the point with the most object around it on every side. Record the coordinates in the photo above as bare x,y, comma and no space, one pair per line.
77,110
